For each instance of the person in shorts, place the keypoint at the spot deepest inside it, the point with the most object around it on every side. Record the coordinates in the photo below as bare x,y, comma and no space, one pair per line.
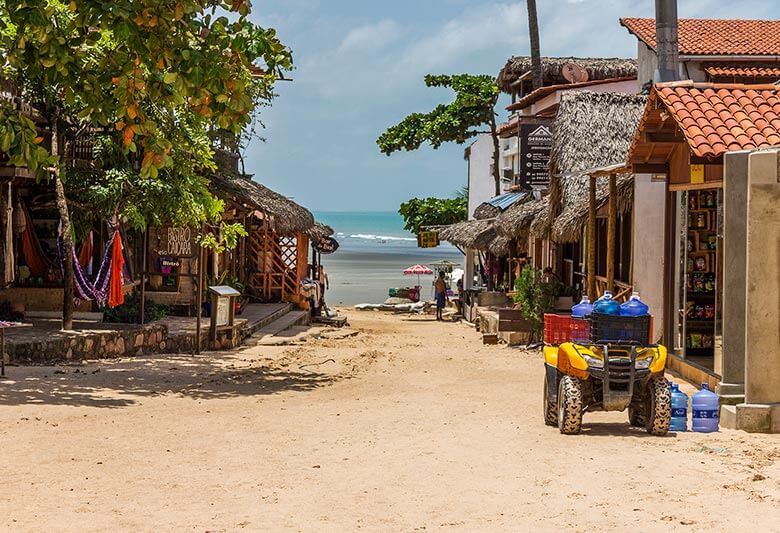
440,293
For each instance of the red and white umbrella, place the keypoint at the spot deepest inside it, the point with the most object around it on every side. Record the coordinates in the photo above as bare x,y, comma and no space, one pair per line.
418,270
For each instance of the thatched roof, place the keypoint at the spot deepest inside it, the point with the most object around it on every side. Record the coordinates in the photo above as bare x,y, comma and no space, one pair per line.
486,210
287,217
516,221
320,231
501,246
465,234
592,130
597,69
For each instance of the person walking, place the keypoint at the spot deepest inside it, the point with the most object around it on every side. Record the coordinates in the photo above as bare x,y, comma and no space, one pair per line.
441,295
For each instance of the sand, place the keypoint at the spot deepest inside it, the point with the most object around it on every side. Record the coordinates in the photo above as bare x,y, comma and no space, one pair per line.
411,425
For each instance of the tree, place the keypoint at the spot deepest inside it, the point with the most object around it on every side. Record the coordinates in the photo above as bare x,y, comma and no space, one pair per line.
536,55
139,69
458,121
419,213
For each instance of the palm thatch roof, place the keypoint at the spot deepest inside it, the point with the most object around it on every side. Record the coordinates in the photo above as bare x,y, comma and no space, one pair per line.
287,218
320,231
465,234
516,221
501,246
486,210
552,69
592,130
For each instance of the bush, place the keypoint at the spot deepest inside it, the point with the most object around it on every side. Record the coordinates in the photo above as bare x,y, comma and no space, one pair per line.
535,296
128,312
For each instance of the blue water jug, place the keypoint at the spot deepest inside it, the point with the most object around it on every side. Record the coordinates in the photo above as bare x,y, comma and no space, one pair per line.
705,410
607,305
582,309
679,409
634,307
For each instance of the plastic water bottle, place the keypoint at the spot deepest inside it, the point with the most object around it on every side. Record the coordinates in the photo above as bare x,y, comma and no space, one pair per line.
582,309
705,410
634,307
607,305
679,409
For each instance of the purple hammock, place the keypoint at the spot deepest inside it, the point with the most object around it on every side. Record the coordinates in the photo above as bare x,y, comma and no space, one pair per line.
85,289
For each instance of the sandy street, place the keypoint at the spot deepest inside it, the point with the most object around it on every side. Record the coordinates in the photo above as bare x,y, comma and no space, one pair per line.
415,426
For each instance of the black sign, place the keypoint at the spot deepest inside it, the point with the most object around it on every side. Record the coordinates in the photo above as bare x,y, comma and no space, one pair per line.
327,246
535,145
172,241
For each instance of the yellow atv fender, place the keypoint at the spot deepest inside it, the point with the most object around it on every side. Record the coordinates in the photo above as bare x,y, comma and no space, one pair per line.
658,366
571,360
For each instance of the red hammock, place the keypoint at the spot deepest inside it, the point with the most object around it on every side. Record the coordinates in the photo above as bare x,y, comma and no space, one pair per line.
115,295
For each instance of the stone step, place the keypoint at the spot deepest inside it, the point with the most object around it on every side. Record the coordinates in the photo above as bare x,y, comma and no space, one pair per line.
290,319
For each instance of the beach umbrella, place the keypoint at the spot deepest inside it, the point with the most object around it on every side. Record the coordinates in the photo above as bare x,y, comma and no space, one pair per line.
418,270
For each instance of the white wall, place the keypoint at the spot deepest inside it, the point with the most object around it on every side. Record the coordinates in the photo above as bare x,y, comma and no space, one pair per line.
648,245
482,186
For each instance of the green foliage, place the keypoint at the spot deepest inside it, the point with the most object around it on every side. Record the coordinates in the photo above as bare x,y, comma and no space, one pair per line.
418,213
129,311
457,121
226,238
155,78
535,295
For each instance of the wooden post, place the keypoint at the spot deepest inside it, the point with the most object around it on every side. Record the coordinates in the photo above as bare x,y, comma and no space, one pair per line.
142,306
199,293
611,225
592,241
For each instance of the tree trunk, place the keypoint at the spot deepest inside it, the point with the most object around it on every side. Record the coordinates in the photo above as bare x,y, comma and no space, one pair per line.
496,155
62,206
592,241
611,226
536,54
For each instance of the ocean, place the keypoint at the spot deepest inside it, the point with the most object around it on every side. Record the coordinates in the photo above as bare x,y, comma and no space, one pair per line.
373,253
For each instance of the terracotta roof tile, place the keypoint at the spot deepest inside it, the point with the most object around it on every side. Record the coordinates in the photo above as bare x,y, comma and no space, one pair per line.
720,118
744,71
715,36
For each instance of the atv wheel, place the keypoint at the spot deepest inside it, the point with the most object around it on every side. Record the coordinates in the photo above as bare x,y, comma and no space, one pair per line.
636,418
659,406
550,411
569,405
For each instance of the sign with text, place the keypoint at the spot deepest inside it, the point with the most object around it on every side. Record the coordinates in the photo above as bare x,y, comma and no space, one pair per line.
535,146
428,239
327,245
173,241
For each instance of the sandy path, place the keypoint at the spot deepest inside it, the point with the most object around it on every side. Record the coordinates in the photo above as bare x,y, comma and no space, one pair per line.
415,426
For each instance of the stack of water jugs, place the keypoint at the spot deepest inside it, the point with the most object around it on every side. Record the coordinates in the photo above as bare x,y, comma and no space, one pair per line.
704,406
608,306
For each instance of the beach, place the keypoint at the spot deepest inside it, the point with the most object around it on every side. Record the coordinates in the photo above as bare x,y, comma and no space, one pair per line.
373,253
410,425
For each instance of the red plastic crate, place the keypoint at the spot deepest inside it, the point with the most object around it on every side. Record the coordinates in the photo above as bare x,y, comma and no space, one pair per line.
563,328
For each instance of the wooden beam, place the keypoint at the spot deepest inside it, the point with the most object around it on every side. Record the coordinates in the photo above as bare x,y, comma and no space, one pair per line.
650,168
611,223
592,240
663,137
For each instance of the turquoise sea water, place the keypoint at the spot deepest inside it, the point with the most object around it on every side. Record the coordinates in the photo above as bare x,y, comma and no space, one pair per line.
374,251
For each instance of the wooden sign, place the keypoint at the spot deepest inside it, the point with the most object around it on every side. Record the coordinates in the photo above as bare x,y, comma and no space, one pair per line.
173,241
697,173
428,239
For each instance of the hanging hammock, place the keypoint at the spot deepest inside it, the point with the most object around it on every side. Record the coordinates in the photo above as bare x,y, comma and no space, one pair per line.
97,291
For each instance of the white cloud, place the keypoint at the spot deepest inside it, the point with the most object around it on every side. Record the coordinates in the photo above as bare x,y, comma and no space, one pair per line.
372,36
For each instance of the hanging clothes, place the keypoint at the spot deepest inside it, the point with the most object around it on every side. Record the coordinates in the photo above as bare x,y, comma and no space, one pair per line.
9,265
85,254
34,257
115,295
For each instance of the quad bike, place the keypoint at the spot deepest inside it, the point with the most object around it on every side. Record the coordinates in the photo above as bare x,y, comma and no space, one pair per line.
606,377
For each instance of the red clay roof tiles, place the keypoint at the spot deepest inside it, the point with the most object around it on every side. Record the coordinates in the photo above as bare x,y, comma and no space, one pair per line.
744,71
747,116
715,36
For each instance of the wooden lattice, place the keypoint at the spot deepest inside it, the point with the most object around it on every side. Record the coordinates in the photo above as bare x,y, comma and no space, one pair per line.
272,262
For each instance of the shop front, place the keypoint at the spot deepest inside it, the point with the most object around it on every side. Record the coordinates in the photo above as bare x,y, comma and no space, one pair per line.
684,133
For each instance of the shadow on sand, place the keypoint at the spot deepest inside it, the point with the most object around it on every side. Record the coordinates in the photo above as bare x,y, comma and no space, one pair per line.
115,384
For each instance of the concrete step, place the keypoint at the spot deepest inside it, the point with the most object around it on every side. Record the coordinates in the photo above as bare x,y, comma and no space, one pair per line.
283,323
264,321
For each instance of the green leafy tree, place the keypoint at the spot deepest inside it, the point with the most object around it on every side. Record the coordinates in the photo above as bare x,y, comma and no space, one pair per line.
458,121
140,69
419,213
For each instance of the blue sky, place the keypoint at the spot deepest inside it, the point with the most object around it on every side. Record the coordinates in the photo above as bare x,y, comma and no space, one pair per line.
359,69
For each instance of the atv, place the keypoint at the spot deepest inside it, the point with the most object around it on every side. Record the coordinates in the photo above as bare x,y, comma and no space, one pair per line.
606,377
